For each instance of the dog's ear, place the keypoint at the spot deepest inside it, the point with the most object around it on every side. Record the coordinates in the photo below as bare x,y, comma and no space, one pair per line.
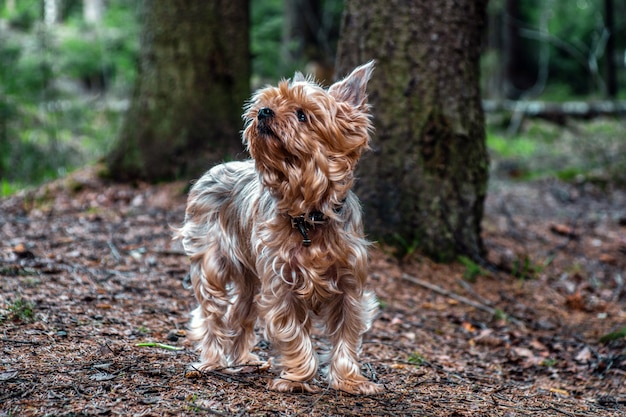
298,77
352,88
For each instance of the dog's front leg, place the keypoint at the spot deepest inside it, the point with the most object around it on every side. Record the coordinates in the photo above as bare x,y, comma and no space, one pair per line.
288,326
348,316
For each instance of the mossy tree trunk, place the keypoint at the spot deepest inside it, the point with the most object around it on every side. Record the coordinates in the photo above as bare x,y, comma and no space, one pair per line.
424,184
193,80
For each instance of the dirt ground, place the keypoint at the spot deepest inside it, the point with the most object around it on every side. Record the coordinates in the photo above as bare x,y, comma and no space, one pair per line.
88,271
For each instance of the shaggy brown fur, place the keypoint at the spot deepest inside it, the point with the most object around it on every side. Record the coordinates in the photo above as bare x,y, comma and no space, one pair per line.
280,237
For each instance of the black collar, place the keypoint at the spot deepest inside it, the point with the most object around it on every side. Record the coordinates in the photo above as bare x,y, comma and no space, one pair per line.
305,223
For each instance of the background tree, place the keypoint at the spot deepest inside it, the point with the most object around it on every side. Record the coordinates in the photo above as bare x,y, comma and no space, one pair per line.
194,71
424,184
93,10
310,34
520,68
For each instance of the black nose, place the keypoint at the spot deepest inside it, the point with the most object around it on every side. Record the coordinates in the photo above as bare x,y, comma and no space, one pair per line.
265,113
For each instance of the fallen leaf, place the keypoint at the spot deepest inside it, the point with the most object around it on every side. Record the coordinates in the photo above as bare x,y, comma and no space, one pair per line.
537,345
21,251
576,302
584,355
607,259
563,230
468,327
410,335
192,374
102,376
523,352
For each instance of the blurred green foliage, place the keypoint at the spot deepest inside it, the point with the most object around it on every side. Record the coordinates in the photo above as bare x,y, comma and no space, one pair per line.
62,88
577,42
265,39
267,23
574,33
584,151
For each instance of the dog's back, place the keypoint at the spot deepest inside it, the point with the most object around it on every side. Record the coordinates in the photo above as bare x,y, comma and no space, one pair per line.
217,202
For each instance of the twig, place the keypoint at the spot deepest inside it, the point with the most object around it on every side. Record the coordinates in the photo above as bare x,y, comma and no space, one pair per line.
168,252
558,410
467,287
319,396
512,227
114,251
458,298
20,342
619,286
230,377
571,236
159,345
20,394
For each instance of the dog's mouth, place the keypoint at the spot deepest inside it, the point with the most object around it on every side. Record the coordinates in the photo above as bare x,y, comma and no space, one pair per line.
264,128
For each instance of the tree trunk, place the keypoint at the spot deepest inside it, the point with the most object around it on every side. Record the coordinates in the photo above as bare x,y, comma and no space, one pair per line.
519,74
424,184
193,80
93,10
611,76
304,39
51,12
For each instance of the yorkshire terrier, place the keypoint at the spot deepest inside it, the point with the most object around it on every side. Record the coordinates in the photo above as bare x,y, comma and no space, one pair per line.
279,237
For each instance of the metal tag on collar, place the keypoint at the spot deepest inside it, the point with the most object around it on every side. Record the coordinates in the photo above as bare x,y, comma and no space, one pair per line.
301,224
316,217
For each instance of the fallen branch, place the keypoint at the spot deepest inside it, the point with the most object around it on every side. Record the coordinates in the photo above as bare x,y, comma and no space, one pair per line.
460,298
20,342
551,110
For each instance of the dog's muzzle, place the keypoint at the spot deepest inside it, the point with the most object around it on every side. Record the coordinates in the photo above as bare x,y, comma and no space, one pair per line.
264,115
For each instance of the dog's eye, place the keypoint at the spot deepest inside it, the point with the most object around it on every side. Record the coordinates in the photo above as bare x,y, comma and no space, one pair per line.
301,115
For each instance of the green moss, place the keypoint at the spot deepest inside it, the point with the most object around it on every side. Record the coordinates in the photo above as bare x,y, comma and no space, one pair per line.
19,310
519,147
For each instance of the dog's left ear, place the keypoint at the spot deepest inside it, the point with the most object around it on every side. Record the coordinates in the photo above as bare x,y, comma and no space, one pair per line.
352,88
298,77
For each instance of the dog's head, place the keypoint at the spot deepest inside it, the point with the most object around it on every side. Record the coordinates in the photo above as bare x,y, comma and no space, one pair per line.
306,140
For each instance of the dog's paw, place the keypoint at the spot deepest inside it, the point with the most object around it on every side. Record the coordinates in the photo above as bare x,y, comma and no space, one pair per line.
250,367
358,386
285,385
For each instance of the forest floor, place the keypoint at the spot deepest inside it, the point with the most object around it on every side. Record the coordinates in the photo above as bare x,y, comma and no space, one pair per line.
88,271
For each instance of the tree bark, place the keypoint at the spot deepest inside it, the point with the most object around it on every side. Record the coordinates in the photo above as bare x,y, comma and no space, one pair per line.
424,185
193,80
611,76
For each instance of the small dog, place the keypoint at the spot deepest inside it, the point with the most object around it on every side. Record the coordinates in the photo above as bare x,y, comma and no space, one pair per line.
280,237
